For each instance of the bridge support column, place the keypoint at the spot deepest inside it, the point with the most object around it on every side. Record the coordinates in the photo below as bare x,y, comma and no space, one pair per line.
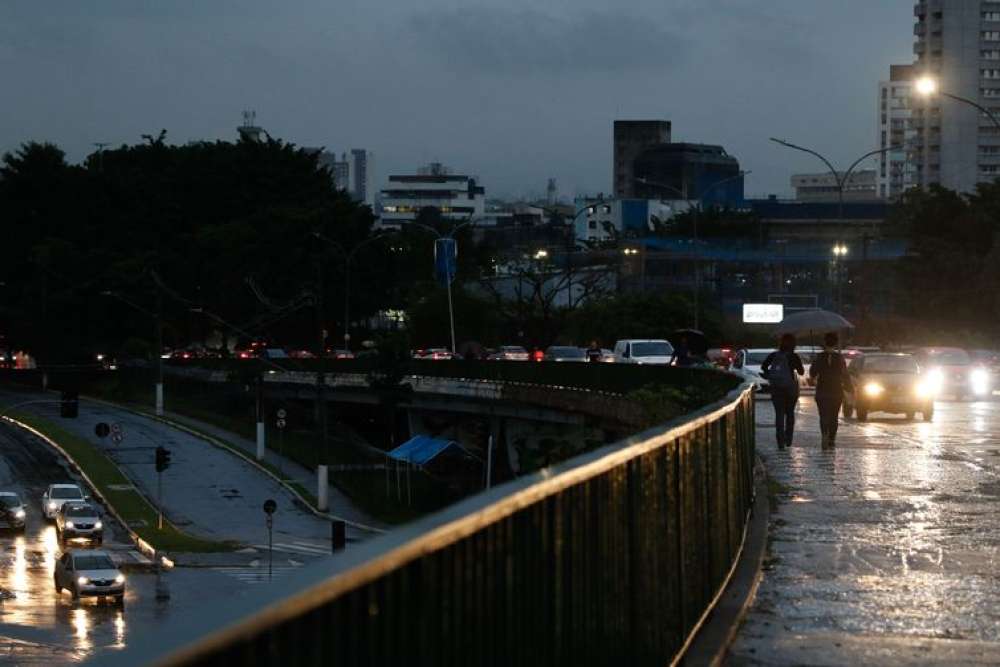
322,488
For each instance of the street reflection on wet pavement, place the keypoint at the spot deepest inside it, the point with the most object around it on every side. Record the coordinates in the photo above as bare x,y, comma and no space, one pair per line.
883,550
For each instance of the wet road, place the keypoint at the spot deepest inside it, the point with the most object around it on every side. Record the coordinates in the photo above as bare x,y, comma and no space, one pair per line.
884,550
38,626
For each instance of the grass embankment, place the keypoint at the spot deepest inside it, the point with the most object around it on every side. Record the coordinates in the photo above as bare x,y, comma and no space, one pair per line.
370,490
118,490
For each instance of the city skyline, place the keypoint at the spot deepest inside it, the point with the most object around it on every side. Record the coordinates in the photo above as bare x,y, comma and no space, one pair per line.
496,92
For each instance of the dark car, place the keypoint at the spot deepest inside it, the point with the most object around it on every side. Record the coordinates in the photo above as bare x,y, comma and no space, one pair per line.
12,512
79,521
565,353
891,383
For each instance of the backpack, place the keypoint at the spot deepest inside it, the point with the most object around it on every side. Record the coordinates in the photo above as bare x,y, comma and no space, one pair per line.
780,374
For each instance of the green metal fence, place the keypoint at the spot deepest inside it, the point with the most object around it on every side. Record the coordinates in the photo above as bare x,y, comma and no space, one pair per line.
613,557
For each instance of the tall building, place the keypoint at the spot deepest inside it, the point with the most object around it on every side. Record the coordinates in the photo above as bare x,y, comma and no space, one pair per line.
631,137
688,171
458,197
362,173
958,43
340,170
861,185
895,96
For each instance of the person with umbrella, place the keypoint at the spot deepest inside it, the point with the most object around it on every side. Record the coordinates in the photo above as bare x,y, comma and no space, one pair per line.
780,369
829,371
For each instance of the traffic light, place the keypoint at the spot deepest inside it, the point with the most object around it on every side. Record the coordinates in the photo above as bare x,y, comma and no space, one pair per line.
162,459
69,406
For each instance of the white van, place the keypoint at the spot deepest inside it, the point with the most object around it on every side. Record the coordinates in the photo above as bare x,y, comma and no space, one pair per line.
643,351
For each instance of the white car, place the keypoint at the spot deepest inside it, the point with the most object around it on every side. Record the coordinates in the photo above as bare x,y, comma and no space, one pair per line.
747,364
58,494
89,573
643,351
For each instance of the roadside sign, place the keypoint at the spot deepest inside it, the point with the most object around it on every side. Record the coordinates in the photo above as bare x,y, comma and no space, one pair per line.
118,437
102,430
281,413
281,423
763,313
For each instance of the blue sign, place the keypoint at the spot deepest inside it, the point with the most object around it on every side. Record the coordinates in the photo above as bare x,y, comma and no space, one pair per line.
445,260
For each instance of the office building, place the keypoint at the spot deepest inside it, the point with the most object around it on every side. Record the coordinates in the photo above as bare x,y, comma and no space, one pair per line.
340,170
362,175
458,197
601,220
895,132
688,171
861,185
958,43
631,137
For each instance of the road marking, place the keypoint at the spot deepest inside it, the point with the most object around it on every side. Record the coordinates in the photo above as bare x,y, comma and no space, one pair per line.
310,550
256,575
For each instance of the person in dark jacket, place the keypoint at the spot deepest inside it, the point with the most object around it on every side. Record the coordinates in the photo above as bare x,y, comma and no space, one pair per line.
829,371
782,368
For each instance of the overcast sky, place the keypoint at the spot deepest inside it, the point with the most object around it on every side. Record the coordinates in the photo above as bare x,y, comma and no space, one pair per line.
514,91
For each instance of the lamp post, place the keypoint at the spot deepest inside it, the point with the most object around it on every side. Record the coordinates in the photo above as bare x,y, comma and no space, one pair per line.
839,253
697,214
348,256
928,87
157,339
448,277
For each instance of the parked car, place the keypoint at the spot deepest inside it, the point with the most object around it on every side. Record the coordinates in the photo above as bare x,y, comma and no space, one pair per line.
58,494
891,383
643,351
89,574
565,353
79,521
12,512
953,372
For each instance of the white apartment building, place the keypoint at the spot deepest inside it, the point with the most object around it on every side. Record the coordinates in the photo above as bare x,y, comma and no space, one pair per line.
895,129
958,43
599,219
458,197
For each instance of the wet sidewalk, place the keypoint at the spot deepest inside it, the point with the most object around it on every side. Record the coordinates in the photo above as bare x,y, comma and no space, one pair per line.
883,551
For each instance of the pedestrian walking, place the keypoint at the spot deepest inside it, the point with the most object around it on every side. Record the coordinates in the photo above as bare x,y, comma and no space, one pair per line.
594,352
781,369
829,372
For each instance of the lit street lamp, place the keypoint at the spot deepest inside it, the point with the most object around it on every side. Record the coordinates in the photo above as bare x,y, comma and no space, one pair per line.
928,87
839,252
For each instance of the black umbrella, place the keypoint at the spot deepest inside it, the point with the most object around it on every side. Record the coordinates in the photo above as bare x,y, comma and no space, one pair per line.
696,341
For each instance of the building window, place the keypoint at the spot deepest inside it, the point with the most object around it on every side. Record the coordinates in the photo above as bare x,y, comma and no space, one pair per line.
990,35
991,16
592,224
990,54
990,73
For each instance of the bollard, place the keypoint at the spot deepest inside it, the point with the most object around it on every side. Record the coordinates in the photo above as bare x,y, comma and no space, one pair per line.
338,535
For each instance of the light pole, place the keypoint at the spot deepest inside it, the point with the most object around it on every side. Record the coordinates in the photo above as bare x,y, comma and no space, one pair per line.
839,253
697,214
928,87
348,256
157,339
448,277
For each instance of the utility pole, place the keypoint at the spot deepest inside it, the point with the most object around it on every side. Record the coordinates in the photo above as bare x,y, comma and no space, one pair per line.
158,352
322,470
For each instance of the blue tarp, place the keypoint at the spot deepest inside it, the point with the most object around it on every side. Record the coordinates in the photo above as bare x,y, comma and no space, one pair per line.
421,449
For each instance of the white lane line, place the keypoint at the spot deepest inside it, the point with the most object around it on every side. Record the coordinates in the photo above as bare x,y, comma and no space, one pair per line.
291,548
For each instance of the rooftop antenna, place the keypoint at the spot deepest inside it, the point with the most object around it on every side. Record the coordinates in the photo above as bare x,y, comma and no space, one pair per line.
249,118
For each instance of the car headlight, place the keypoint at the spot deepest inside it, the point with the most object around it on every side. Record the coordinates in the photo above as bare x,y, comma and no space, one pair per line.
70,524
83,581
120,579
98,525
924,389
874,389
52,506
979,378
19,514
935,380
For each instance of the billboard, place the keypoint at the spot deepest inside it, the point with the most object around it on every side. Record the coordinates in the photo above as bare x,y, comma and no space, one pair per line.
763,313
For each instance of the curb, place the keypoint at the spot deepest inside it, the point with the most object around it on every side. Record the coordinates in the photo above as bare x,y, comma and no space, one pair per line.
712,642
144,546
232,449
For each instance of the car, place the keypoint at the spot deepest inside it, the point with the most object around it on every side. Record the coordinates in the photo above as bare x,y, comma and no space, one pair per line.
747,363
510,353
340,354
565,353
953,372
79,521
56,495
434,354
721,357
889,382
643,351
12,512
607,356
89,574
301,354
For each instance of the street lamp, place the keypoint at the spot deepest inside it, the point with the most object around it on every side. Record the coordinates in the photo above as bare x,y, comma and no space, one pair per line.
157,340
928,87
348,256
440,237
839,252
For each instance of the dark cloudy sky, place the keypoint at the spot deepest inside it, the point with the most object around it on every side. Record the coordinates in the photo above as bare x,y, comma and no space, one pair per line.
515,91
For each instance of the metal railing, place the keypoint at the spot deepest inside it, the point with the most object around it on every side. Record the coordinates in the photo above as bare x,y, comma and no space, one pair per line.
613,557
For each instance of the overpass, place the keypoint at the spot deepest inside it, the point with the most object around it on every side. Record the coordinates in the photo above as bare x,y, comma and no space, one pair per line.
615,556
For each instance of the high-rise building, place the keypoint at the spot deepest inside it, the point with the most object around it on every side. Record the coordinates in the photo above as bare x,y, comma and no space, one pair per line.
895,171
456,196
362,174
688,171
631,137
958,43
340,170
